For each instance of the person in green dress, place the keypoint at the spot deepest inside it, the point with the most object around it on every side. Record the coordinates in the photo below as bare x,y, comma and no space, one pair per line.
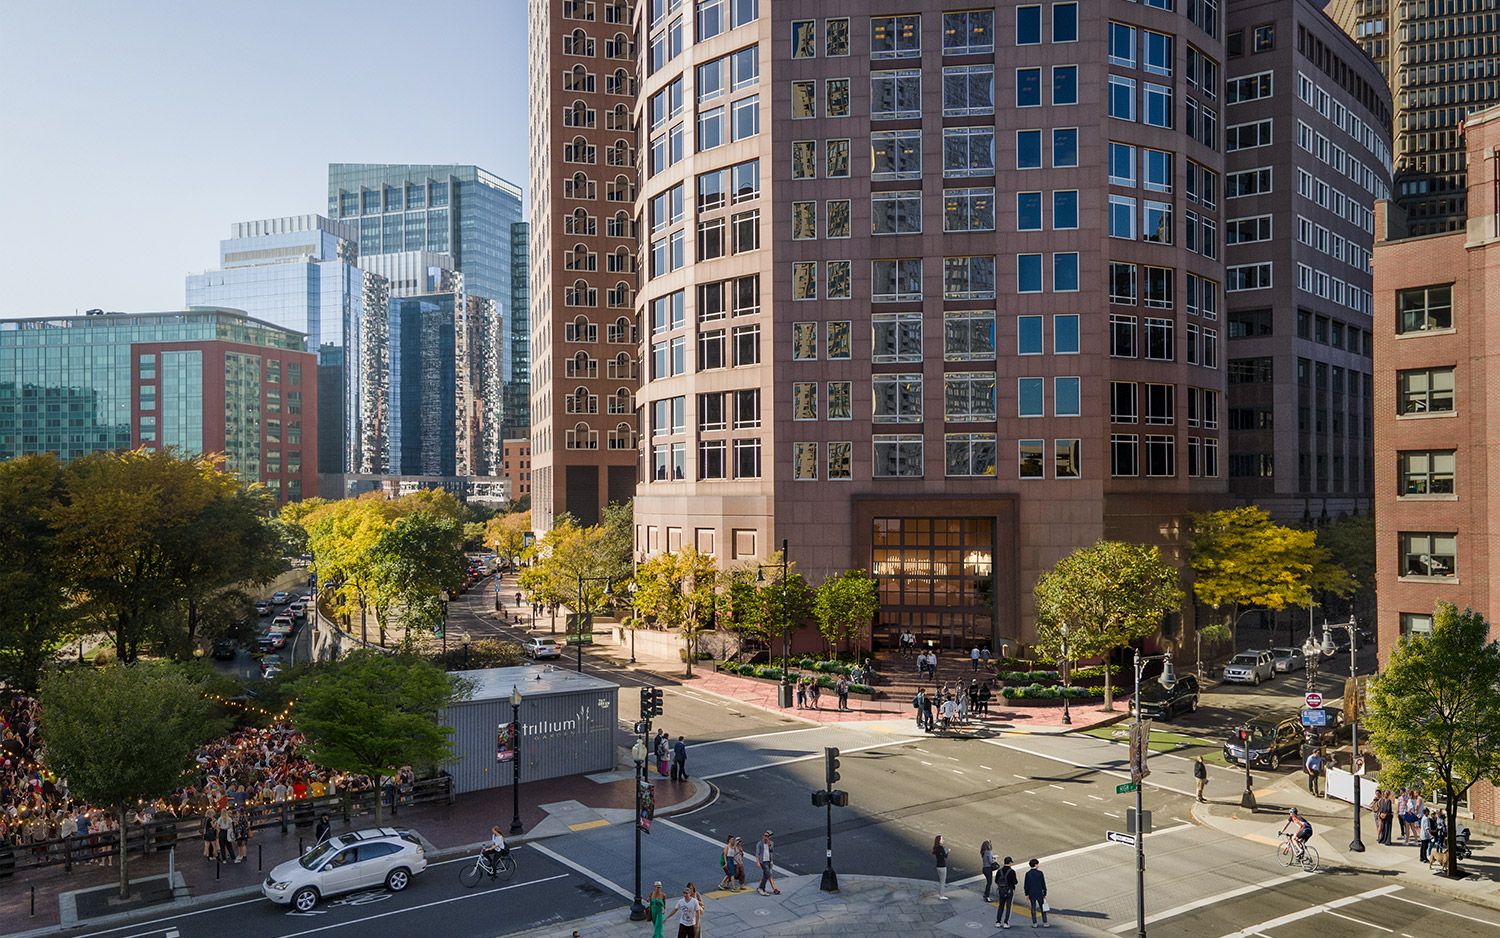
658,903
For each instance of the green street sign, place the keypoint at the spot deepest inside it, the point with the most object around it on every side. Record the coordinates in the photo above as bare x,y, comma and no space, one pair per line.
1127,787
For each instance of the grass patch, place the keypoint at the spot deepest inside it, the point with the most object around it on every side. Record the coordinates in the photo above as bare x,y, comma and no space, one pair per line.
1162,741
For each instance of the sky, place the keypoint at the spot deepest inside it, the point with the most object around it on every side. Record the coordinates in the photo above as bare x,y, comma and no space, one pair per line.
132,134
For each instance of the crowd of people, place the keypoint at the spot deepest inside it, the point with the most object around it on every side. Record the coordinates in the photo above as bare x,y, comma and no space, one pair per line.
231,776
954,704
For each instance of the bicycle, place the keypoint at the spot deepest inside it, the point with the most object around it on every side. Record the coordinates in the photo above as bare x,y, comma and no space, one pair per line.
504,867
1287,854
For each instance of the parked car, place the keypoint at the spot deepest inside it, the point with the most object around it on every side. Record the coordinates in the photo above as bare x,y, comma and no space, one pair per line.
225,651
541,646
1333,725
1158,703
1249,667
1288,659
1271,743
279,597
263,608
385,856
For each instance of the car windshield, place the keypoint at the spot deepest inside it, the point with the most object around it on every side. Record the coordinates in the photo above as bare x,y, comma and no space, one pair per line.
1245,659
1262,731
1284,652
315,856
1152,692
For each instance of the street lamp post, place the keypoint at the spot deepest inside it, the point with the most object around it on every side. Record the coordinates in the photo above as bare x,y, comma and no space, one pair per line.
1168,680
443,598
1067,673
784,696
635,623
1357,845
466,651
638,752
515,760
581,612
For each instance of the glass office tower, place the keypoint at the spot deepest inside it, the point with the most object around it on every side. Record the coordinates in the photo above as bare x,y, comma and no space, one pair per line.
212,380
301,273
458,210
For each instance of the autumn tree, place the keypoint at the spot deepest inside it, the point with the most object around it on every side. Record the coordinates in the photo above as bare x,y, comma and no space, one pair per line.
1434,712
678,588
343,535
505,534
121,735
1110,595
372,714
415,558
37,613
566,553
1243,558
845,604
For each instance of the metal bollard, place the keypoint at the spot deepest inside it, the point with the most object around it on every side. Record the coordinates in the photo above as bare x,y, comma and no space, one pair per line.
300,849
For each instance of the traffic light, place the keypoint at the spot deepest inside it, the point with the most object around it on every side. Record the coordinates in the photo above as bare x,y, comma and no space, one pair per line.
821,798
645,703
655,701
830,765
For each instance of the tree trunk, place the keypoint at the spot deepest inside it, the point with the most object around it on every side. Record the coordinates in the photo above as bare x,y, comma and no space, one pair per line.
1109,693
687,641
124,876
1451,835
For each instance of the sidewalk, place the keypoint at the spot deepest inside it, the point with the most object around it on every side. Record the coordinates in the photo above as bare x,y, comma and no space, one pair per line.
863,906
548,808
1333,825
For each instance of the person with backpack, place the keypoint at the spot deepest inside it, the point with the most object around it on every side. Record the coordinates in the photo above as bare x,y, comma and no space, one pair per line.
1005,882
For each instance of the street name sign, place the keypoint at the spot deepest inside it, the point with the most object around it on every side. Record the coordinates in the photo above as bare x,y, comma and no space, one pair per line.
1115,837
1126,788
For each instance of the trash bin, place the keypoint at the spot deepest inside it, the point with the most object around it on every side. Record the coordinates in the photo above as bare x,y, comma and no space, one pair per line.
784,694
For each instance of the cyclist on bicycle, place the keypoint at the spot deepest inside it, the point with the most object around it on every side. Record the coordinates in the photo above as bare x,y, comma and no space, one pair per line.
495,850
1304,830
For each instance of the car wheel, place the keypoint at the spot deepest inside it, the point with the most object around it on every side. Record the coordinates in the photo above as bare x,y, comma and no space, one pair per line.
1274,762
1193,705
305,899
397,879
1255,679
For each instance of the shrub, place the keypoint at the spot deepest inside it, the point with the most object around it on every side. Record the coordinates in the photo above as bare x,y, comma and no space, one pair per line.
1038,692
1028,676
861,689
806,664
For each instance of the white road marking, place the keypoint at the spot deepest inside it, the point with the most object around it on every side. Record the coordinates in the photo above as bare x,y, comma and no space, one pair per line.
168,918
983,766
1360,921
1433,908
579,867
1070,803
686,830
1052,858
1097,798
1197,904
1059,788
1084,765
924,762
1029,793
1014,775
740,739
428,905
1111,814
809,758
1305,913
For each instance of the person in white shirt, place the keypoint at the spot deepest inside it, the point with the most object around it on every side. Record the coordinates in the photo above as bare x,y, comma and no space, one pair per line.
950,712
687,913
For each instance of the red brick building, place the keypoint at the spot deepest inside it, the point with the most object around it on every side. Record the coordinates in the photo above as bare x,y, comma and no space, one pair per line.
1435,409
515,465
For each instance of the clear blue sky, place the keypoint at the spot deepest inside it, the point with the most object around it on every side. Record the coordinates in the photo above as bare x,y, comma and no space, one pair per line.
133,133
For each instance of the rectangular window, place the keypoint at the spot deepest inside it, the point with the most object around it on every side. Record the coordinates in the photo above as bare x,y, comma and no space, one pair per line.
837,31
746,117
804,39
838,159
1428,472
967,90
1156,221
1122,45
1122,98
840,339
969,33
836,101
746,341
969,397
713,462
1124,455
897,456
1249,182
1247,136
896,154
969,209
1066,401
1427,555
1248,88
897,398
896,94
804,341
840,460
1065,334
1028,211
1247,230
804,221
1064,209
804,400
838,218
896,37
1065,147
969,336
1159,404
1064,84
840,400
1424,391
1028,25
744,230
805,462
1030,397
805,280
1030,459
1161,458
1065,272
1028,87
1123,402
969,454
1157,53
713,350
967,151
896,212
1028,273
1029,335
1121,164
1424,308
1157,108
711,239
746,459
713,413
1122,217
894,281
746,409
896,337
1122,287
1248,277
1066,463
839,280
804,99
1028,149
1156,170
1158,340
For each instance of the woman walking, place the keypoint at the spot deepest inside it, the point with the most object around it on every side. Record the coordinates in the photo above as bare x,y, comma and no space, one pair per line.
726,863
814,692
657,902
739,865
210,834
241,834
225,826
801,694
940,854
987,866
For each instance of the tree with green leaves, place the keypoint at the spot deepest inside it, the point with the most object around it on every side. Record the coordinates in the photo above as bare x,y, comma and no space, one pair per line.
677,588
141,533
505,534
343,535
564,554
38,614
1110,595
1434,712
1243,558
617,541
415,558
845,605
120,735
372,714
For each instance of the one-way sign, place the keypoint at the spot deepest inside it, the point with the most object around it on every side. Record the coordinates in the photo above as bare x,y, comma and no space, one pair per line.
1119,838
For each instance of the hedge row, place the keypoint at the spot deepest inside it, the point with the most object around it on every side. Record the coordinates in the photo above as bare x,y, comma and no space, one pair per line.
1038,692
825,681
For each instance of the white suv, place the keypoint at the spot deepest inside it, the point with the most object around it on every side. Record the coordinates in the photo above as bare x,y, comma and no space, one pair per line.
385,856
1250,667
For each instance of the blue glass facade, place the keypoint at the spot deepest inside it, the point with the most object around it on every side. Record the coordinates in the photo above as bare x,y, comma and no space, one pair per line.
518,377
301,273
460,210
